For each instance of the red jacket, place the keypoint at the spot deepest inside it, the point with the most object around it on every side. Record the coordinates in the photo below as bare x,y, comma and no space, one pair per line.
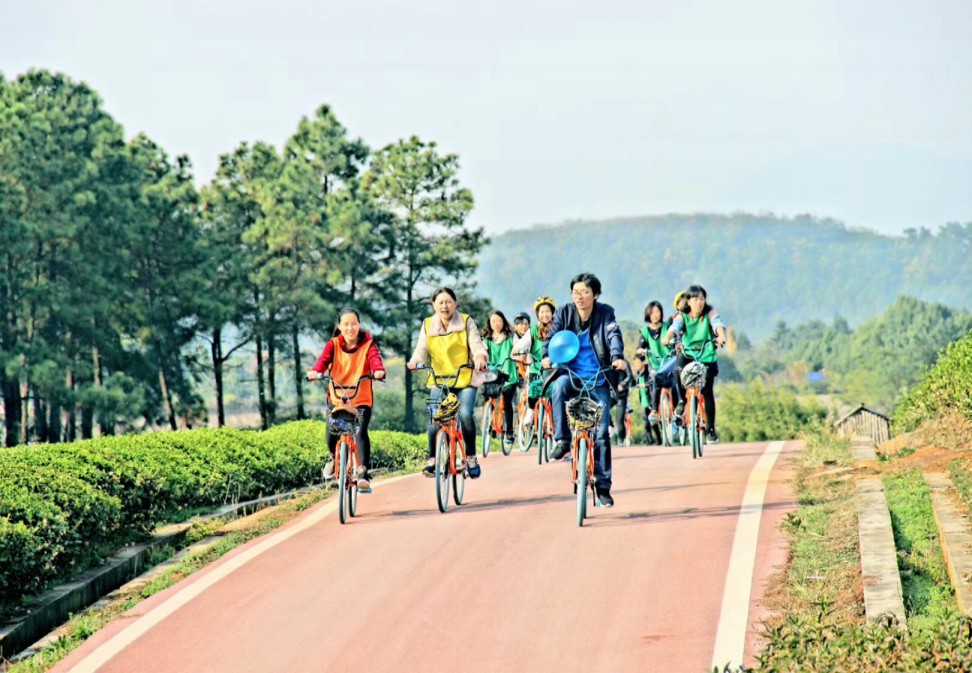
327,355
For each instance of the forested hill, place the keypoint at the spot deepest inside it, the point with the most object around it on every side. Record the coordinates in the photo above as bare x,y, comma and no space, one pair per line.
758,269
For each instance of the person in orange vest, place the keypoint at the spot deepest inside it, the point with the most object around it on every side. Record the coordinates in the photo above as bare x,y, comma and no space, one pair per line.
349,355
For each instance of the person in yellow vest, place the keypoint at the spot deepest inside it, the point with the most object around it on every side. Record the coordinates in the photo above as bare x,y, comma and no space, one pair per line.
349,355
450,339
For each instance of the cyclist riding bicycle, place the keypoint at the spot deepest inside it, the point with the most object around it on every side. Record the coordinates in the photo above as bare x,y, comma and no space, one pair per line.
521,324
601,347
349,355
657,355
639,370
531,343
703,331
498,336
450,339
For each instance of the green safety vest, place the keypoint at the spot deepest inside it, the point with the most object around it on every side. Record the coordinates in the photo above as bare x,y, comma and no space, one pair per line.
536,350
656,351
499,354
643,392
697,330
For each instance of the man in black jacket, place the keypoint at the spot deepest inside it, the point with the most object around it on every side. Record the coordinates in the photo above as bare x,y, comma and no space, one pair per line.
602,347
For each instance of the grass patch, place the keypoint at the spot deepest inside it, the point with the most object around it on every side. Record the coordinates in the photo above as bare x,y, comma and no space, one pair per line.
928,593
962,478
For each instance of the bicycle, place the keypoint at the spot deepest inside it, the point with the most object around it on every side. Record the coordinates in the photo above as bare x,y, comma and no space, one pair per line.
627,426
693,378
668,421
494,415
583,414
343,420
450,447
525,432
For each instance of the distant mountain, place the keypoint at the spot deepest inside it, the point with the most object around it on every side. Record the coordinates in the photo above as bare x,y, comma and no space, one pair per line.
757,269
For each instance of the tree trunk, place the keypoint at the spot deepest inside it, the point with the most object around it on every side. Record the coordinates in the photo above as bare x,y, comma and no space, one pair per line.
298,371
71,411
11,410
24,407
167,399
40,420
272,379
217,351
54,428
261,384
87,421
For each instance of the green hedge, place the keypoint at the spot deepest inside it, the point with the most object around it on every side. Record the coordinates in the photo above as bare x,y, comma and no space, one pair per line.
61,504
755,413
945,388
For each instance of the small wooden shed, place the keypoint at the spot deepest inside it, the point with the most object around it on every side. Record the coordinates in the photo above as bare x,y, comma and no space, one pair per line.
865,421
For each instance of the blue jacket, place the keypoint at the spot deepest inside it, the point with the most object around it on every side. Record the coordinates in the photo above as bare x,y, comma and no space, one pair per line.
605,335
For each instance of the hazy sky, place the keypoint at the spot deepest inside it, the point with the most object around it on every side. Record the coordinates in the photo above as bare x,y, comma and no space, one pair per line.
855,109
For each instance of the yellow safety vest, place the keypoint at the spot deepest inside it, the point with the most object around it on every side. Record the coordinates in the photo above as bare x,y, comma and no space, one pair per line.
448,352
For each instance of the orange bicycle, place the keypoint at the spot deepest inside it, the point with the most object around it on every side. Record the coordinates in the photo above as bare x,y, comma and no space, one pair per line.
525,431
543,428
450,447
627,426
343,420
494,414
693,378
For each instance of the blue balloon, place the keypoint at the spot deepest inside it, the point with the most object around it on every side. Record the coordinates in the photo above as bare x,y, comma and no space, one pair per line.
563,348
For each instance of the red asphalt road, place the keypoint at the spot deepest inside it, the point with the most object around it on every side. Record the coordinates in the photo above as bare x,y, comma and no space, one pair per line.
506,582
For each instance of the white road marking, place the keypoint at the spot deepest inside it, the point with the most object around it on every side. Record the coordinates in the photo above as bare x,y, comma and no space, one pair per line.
111,647
730,642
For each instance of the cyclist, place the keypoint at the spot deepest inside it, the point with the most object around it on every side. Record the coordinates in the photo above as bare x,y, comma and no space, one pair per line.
650,346
625,381
450,339
531,342
681,302
641,375
521,323
699,324
498,336
601,347
349,355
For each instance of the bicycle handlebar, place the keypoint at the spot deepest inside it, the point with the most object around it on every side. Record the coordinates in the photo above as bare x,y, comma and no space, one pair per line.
344,394
441,380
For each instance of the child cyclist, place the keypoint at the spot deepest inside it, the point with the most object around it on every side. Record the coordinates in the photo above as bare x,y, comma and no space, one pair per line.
698,327
349,355
498,337
656,354
531,343
639,370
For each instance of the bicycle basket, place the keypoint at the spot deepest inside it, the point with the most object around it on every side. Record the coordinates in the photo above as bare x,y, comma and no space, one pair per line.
693,375
494,388
583,413
344,420
444,410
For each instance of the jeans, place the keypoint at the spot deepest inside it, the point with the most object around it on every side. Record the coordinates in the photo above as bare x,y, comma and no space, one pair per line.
562,390
467,423
361,438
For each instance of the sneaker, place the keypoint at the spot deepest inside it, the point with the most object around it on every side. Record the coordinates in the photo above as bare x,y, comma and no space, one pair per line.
712,437
604,497
510,438
362,480
472,467
329,470
429,469
679,409
653,417
561,448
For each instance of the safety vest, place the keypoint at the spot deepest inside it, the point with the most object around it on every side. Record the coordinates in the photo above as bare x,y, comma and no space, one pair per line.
448,352
656,351
499,358
536,350
346,369
697,331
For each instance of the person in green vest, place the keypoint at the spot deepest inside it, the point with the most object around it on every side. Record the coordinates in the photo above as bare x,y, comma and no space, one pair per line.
530,344
659,357
499,338
642,377
703,331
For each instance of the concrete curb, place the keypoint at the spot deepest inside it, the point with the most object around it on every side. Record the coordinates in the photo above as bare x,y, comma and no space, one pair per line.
57,605
879,560
862,449
953,529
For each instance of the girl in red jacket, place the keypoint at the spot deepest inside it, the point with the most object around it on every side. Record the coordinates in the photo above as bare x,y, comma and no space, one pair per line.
351,354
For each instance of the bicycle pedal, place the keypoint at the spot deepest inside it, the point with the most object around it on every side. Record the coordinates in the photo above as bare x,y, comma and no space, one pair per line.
364,490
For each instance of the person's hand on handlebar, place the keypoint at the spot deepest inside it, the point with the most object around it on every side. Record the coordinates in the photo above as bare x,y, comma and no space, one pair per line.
720,340
379,375
314,375
480,362
620,365
412,366
546,363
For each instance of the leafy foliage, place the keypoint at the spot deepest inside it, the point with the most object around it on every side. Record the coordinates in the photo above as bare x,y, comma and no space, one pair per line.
755,413
944,388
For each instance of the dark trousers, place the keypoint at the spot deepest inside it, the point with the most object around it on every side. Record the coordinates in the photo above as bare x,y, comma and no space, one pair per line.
361,437
711,371
467,422
561,391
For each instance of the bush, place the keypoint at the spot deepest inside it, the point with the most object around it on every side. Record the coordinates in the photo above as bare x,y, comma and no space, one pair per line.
946,387
60,504
754,413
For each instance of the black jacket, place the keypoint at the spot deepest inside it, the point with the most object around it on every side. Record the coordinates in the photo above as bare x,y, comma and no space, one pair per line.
605,335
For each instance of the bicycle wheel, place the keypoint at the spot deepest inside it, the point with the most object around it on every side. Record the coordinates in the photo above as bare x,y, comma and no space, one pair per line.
700,427
459,478
666,419
487,426
352,483
442,471
693,426
506,442
541,432
581,459
525,432
342,477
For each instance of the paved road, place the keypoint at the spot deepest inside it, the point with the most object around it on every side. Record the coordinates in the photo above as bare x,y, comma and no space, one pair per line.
507,582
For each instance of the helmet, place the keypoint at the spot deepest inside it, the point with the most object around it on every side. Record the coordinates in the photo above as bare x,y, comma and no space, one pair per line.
564,346
448,408
678,298
521,316
583,412
693,375
544,299
343,420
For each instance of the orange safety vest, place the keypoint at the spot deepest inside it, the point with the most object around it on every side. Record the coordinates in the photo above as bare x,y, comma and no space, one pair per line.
346,369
